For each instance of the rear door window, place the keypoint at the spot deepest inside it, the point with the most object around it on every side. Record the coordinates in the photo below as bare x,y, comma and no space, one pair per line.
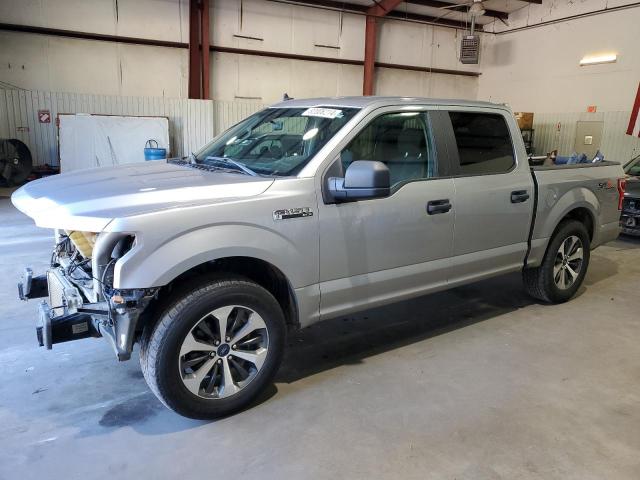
483,141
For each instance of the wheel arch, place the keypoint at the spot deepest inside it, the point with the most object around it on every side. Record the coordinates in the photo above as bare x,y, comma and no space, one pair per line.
257,270
582,215
579,204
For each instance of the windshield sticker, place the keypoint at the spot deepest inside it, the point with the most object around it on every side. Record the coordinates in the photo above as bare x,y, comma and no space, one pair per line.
322,112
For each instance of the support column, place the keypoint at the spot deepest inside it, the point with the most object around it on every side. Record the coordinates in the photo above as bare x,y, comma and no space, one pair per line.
204,27
370,35
380,9
194,50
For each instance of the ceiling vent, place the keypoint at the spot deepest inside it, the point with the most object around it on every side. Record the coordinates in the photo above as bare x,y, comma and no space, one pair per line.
470,49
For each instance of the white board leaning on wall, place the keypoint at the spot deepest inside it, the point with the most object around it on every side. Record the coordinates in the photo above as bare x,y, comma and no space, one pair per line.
87,141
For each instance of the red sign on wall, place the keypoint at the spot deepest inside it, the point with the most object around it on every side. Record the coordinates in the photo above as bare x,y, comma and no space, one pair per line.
592,109
44,116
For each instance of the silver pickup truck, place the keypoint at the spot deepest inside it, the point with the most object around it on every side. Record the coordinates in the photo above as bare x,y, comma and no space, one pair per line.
307,210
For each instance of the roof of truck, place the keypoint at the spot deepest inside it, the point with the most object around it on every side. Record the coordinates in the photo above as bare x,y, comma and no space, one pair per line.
362,102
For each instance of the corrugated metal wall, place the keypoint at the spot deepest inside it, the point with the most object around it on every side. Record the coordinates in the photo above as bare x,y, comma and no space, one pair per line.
191,122
616,144
230,113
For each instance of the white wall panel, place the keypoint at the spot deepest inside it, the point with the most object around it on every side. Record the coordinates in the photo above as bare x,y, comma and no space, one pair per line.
153,71
83,66
265,80
538,70
103,68
423,84
23,61
158,19
39,62
408,48
453,86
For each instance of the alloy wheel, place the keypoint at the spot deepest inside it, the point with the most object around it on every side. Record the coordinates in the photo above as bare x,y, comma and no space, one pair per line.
568,262
223,352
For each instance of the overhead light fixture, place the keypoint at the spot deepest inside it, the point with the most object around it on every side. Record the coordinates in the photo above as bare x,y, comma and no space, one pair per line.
476,9
598,59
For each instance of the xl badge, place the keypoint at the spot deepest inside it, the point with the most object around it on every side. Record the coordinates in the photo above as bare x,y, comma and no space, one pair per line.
288,213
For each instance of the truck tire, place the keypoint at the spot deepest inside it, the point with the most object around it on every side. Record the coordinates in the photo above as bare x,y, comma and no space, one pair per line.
564,266
214,348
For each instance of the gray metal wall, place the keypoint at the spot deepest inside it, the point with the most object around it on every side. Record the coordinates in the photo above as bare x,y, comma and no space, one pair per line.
616,144
192,123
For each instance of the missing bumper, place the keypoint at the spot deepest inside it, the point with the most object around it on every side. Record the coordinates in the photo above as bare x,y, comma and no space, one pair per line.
63,328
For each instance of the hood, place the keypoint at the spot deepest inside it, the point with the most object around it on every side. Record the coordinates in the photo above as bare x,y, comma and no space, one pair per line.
89,199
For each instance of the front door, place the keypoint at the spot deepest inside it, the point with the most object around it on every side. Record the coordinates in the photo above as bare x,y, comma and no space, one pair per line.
374,251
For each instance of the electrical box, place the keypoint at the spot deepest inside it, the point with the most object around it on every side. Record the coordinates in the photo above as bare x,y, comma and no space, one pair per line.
470,49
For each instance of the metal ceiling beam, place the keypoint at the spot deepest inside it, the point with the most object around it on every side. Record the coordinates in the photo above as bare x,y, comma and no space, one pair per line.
362,10
440,4
397,15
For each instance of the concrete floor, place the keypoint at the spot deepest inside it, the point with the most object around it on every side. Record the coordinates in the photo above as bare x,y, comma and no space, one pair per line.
476,383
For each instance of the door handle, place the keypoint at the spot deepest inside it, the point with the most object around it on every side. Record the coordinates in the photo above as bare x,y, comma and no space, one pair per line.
519,196
435,207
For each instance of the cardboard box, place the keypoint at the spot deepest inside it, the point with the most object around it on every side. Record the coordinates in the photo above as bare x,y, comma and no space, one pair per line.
525,120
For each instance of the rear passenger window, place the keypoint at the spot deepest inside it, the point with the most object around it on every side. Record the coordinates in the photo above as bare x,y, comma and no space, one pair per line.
484,143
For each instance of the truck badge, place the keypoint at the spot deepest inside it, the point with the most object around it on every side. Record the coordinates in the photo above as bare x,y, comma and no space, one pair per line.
288,213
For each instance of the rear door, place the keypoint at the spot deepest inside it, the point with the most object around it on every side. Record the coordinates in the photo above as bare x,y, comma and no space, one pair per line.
494,194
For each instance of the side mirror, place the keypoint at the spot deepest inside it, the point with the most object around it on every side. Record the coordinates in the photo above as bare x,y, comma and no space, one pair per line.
363,179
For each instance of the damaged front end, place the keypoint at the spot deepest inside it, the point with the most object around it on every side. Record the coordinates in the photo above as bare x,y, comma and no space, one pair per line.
82,302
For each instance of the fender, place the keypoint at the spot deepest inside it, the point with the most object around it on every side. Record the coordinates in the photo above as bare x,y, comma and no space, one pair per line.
551,210
165,262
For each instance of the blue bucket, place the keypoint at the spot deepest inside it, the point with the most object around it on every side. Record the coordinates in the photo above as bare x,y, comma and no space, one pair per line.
152,152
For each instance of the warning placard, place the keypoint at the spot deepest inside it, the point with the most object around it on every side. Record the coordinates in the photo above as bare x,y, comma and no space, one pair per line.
44,116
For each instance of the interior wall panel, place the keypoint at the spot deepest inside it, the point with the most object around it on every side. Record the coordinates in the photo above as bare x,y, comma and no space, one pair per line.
616,144
191,122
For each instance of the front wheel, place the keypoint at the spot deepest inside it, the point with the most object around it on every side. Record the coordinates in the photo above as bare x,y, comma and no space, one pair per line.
564,265
215,348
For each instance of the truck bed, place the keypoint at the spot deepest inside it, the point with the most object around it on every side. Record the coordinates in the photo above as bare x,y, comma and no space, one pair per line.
591,189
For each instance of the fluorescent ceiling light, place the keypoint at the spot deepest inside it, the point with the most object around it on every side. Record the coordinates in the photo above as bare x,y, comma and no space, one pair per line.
597,59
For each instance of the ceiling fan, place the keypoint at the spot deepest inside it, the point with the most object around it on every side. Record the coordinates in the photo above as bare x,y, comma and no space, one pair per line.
476,7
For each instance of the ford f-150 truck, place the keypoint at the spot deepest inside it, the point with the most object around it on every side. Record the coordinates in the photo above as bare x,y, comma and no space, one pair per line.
307,210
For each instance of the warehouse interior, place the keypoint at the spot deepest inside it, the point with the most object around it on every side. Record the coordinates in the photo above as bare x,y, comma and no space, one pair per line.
477,382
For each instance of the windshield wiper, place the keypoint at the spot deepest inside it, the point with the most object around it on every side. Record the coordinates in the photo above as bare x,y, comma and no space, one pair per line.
238,165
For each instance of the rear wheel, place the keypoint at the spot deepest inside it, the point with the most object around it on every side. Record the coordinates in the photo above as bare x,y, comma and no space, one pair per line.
215,348
564,265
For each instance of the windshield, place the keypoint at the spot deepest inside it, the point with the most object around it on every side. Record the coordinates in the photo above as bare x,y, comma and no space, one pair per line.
633,167
275,141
